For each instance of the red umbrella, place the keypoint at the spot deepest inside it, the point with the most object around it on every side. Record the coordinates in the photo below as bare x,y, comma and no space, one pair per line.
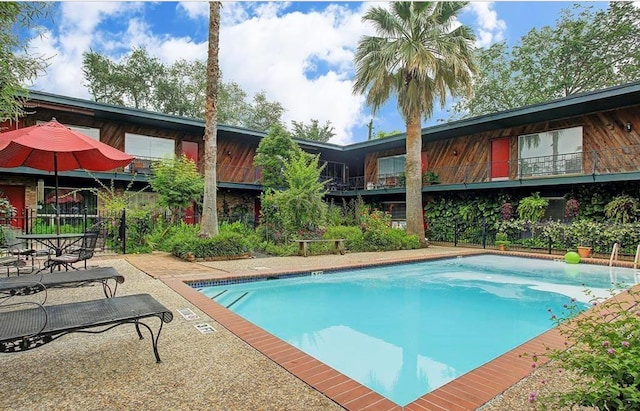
53,147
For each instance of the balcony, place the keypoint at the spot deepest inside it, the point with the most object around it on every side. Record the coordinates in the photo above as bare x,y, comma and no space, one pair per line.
225,173
596,162
593,163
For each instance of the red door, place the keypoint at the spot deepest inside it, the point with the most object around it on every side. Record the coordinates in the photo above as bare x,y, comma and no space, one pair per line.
190,149
500,158
15,195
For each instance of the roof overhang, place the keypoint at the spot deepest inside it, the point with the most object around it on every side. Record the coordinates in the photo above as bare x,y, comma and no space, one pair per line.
567,107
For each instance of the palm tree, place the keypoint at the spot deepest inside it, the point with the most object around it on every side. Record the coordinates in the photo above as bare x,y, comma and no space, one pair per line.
209,222
422,53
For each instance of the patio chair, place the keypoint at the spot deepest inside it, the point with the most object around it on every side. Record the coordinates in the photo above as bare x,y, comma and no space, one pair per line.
74,255
15,252
34,283
23,329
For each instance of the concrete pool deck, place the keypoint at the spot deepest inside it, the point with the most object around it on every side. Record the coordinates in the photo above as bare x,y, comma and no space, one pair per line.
238,367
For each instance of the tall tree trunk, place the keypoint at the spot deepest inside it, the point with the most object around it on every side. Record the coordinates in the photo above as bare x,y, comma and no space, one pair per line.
209,222
413,172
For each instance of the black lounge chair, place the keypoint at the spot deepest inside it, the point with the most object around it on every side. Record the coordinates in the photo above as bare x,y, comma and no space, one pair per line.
26,329
34,283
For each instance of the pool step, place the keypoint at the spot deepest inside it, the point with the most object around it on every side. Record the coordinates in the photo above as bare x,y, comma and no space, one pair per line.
229,298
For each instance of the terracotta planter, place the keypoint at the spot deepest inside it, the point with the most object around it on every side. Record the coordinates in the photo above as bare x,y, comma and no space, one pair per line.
502,247
584,252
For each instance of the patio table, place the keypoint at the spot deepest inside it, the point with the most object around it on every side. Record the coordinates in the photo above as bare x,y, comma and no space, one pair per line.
56,242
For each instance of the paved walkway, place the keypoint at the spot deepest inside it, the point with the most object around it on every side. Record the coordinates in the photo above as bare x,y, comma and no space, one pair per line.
164,265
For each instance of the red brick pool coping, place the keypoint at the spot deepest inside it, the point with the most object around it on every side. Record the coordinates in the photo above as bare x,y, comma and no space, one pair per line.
467,392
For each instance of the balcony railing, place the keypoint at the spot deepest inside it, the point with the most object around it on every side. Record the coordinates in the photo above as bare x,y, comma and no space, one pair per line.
610,161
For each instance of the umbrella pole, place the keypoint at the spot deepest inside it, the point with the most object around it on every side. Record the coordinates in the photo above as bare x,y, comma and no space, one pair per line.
55,173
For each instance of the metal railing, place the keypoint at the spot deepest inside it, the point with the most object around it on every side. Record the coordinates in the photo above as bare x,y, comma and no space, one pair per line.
609,161
110,226
548,237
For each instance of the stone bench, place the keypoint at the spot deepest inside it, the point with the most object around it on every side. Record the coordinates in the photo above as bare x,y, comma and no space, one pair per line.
303,245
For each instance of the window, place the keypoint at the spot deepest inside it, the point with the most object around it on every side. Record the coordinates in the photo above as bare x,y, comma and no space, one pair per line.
391,166
149,147
398,211
550,153
92,132
71,201
143,199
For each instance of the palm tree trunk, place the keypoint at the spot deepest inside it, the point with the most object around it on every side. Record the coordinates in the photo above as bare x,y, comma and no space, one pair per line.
209,222
413,172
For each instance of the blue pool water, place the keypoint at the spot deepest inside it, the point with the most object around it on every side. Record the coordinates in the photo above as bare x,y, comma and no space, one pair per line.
405,330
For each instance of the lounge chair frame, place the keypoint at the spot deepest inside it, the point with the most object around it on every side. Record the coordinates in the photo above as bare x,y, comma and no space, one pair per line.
34,283
26,329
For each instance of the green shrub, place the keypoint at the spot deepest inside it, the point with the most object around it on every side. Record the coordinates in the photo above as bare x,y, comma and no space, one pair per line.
223,245
622,209
352,235
280,250
532,208
167,237
604,347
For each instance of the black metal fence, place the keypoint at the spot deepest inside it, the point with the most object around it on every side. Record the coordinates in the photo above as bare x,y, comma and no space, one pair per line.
110,226
549,237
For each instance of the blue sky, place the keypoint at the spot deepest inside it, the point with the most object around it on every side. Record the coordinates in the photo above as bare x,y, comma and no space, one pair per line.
299,53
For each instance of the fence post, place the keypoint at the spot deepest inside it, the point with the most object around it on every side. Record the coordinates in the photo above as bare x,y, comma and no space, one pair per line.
484,233
550,244
123,230
25,221
455,232
85,219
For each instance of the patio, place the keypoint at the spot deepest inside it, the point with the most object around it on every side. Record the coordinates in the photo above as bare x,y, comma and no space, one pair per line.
199,371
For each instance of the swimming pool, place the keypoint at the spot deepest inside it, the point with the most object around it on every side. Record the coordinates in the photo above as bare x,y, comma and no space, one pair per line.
405,330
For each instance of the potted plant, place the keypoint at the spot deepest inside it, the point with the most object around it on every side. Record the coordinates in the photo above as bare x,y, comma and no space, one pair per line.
532,208
502,241
583,232
430,177
402,180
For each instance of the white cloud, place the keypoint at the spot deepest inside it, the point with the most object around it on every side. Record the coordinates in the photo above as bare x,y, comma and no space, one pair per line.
274,51
195,9
74,34
490,28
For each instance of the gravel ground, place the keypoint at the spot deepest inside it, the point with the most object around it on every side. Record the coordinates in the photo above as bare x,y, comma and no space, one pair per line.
544,381
116,371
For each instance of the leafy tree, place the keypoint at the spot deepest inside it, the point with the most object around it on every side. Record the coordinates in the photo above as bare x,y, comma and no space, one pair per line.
275,150
181,90
233,108
301,205
142,81
177,182
17,66
420,55
99,72
586,50
313,131
385,134
131,82
264,114
209,222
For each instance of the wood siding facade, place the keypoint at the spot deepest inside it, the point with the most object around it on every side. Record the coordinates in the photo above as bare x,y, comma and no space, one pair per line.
607,146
